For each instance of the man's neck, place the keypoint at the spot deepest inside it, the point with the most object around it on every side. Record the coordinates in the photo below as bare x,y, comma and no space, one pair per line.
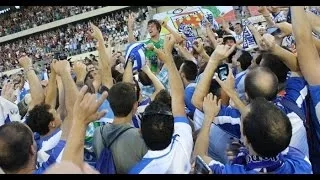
28,169
122,120
155,38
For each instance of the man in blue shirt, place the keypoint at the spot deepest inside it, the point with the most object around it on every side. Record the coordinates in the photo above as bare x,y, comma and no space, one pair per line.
309,63
266,132
188,73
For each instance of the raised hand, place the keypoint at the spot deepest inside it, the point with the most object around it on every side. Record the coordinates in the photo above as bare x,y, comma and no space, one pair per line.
263,10
96,32
25,62
286,29
198,46
61,67
267,42
131,20
211,106
86,107
222,52
169,42
80,70
228,84
8,92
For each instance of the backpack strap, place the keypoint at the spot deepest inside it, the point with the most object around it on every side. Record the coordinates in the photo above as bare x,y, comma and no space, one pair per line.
294,107
104,142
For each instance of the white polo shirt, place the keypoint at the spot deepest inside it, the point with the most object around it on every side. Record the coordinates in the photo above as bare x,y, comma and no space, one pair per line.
175,159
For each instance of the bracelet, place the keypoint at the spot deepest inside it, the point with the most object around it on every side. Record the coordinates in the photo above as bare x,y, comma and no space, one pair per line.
29,69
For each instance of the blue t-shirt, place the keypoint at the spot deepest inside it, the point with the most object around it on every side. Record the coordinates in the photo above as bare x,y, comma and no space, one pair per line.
188,93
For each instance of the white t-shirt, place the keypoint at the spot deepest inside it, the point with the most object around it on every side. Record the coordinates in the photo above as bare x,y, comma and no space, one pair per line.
175,159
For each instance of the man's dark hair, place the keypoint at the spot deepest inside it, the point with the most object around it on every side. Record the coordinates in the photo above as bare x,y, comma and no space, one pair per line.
156,22
178,61
190,70
15,142
144,78
261,82
39,119
275,64
164,97
215,88
122,97
209,50
267,128
240,25
258,60
245,60
157,128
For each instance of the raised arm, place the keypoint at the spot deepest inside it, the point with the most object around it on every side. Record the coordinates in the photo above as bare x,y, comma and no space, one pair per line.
210,35
202,89
308,56
211,107
128,75
131,20
228,86
155,81
62,68
266,14
51,97
314,21
84,111
104,57
200,49
36,90
80,70
175,82
185,53
176,35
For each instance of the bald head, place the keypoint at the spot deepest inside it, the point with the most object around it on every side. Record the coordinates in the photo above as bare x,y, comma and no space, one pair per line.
261,82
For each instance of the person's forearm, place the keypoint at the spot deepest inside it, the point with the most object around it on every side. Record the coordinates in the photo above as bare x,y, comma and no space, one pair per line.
131,38
308,56
317,44
51,96
203,86
62,104
268,18
36,90
205,56
70,91
176,87
314,21
176,35
73,150
185,53
288,58
237,101
127,75
202,142
211,37
155,81
105,61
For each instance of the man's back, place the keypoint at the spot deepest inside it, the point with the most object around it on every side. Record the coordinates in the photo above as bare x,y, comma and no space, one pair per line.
127,149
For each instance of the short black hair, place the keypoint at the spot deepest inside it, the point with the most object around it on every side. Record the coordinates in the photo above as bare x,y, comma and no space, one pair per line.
156,22
178,61
254,86
190,70
39,118
258,60
209,50
240,25
267,128
164,97
122,97
157,128
245,60
215,88
275,64
144,78
15,142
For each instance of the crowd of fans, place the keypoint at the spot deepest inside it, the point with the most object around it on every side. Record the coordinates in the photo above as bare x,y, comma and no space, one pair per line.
161,108
32,16
72,39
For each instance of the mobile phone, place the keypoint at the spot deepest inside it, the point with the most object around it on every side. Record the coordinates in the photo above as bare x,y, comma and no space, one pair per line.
223,71
201,167
273,31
